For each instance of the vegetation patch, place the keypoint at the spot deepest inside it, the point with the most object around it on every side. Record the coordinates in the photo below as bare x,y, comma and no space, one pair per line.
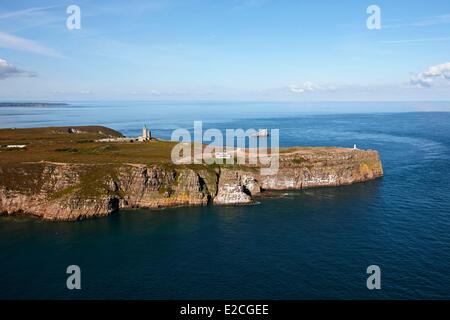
67,150
64,192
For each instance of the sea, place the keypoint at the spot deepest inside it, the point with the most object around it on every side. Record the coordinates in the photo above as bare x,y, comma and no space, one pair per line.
308,244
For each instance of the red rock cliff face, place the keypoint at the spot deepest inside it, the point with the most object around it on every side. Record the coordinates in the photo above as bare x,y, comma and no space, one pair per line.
76,191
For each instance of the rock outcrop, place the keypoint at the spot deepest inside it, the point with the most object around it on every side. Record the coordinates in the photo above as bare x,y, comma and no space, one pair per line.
60,191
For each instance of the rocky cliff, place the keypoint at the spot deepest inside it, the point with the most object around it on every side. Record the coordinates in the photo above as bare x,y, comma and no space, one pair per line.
63,191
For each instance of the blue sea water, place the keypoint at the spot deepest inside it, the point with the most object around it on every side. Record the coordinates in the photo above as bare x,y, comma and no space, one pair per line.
310,244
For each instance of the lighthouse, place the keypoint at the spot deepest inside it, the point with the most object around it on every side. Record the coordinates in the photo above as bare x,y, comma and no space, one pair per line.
146,134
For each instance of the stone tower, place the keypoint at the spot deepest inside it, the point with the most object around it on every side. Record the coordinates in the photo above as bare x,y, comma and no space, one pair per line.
146,135
144,132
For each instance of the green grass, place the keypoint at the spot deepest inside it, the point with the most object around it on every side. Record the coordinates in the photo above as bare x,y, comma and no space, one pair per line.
56,144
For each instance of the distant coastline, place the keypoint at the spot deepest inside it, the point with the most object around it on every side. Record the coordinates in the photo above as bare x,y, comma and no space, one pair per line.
32,104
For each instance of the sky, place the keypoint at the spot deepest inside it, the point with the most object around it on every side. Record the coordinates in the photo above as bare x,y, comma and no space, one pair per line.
225,50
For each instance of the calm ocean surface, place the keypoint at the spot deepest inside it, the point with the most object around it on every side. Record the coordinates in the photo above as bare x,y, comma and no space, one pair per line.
299,245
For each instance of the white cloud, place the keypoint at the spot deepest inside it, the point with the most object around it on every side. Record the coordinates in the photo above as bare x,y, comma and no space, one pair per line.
430,21
421,22
307,86
428,77
10,41
24,12
8,70
419,40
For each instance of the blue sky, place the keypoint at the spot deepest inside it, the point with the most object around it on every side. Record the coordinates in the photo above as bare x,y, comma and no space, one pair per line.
217,49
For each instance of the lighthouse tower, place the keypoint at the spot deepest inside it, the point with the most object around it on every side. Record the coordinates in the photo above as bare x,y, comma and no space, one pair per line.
146,134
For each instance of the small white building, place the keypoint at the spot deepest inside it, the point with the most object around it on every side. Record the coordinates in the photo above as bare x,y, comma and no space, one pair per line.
146,134
16,146
222,155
